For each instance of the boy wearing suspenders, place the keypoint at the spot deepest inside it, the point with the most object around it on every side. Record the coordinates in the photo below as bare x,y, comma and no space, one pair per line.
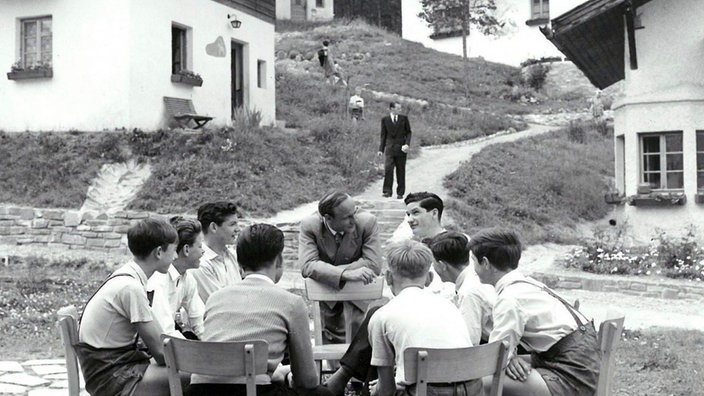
565,355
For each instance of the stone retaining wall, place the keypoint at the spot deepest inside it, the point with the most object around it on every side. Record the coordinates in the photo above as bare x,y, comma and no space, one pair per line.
73,229
627,285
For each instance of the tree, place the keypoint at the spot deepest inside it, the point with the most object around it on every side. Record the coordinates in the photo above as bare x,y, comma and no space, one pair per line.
453,16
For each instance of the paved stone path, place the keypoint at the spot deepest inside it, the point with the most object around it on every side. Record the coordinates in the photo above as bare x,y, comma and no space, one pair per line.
115,186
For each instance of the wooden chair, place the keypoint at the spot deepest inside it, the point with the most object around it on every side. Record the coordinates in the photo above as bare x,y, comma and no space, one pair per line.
428,365
352,291
183,111
609,335
244,360
68,328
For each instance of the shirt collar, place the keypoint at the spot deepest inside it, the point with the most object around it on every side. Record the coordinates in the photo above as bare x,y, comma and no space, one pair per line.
173,273
261,277
137,270
410,290
507,279
330,229
467,272
208,253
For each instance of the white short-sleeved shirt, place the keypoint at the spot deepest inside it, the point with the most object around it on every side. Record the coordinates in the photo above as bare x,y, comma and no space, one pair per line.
173,291
476,302
109,317
527,314
414,318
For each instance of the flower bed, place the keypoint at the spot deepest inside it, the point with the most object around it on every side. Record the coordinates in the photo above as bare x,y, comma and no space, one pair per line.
666,256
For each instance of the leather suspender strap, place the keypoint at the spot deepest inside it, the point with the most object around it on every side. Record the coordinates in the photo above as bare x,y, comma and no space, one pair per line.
567,305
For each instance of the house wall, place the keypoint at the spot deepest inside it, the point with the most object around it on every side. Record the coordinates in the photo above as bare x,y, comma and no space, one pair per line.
313,13
112,69
518,43
150,74
89,88
662,95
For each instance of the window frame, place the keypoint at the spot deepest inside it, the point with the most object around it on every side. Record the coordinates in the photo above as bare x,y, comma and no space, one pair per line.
320,3
179,42
261,73
699,134
663,152
543,9
38,35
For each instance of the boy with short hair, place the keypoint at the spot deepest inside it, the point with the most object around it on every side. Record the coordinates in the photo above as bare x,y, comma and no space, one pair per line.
565,353
218,266
176,292
474,299
414,318
119,314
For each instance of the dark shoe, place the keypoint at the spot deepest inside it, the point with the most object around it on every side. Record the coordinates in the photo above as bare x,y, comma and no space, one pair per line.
399,196
386,195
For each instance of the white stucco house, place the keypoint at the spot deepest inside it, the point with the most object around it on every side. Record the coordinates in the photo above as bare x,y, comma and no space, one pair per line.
305,10
657,48
101,65
520,40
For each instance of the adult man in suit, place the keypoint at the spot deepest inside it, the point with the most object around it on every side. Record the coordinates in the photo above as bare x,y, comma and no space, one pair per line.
395,143
336,245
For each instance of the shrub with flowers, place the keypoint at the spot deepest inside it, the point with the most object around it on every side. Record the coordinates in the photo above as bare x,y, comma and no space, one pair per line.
673,257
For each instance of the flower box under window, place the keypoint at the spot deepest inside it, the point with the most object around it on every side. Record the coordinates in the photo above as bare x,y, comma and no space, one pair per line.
30,74
187,79
614,198
658,199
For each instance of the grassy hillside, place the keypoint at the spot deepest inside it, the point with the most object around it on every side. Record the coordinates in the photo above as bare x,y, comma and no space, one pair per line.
540,186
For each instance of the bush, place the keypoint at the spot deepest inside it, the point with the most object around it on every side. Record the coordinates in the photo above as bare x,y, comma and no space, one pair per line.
577,133
534,75
667,256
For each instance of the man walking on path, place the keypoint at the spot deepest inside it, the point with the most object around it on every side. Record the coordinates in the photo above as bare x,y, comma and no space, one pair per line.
395,142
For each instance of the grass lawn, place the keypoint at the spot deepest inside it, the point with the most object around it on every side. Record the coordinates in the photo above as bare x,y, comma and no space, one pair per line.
648,362
542,186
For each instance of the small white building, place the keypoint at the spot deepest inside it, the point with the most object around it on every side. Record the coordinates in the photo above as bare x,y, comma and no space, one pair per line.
520,40
656,47
101,65
305,10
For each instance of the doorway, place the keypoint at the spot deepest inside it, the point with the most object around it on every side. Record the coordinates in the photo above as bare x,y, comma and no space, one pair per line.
298,10
236,77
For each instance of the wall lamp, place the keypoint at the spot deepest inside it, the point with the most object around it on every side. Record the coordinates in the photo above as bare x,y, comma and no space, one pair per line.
236,23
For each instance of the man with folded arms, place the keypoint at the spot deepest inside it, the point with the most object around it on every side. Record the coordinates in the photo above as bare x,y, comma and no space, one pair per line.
336,245
257,309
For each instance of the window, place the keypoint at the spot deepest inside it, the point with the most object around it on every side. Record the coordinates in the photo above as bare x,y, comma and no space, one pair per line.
540,9
662,160
261,74
179,49
36,42
700,160
319,3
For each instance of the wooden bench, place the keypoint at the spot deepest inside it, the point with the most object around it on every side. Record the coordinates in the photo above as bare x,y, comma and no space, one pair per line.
182,110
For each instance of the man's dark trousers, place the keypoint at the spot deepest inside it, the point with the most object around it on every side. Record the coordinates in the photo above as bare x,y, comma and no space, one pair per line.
390,162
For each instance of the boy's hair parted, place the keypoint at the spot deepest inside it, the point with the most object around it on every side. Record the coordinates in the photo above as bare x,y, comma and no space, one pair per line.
149,234
451,247
502,247
215,212
187,229
258,244
428,201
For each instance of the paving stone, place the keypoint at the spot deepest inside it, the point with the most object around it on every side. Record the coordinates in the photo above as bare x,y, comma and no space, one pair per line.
62,384
47,392
12,389
57,376
10,367
48,369
23,379
43,362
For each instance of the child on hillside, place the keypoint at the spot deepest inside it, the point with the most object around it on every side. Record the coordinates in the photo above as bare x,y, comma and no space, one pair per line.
565,355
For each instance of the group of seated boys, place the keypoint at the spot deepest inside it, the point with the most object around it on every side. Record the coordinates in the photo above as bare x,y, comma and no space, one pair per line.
450,291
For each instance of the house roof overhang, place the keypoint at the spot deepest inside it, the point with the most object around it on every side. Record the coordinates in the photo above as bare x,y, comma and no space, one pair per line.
592,36
262,9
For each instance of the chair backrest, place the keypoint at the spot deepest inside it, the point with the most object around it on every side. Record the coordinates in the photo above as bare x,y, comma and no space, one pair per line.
243,360
176,106
68,328
608,338
352,291
429,365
